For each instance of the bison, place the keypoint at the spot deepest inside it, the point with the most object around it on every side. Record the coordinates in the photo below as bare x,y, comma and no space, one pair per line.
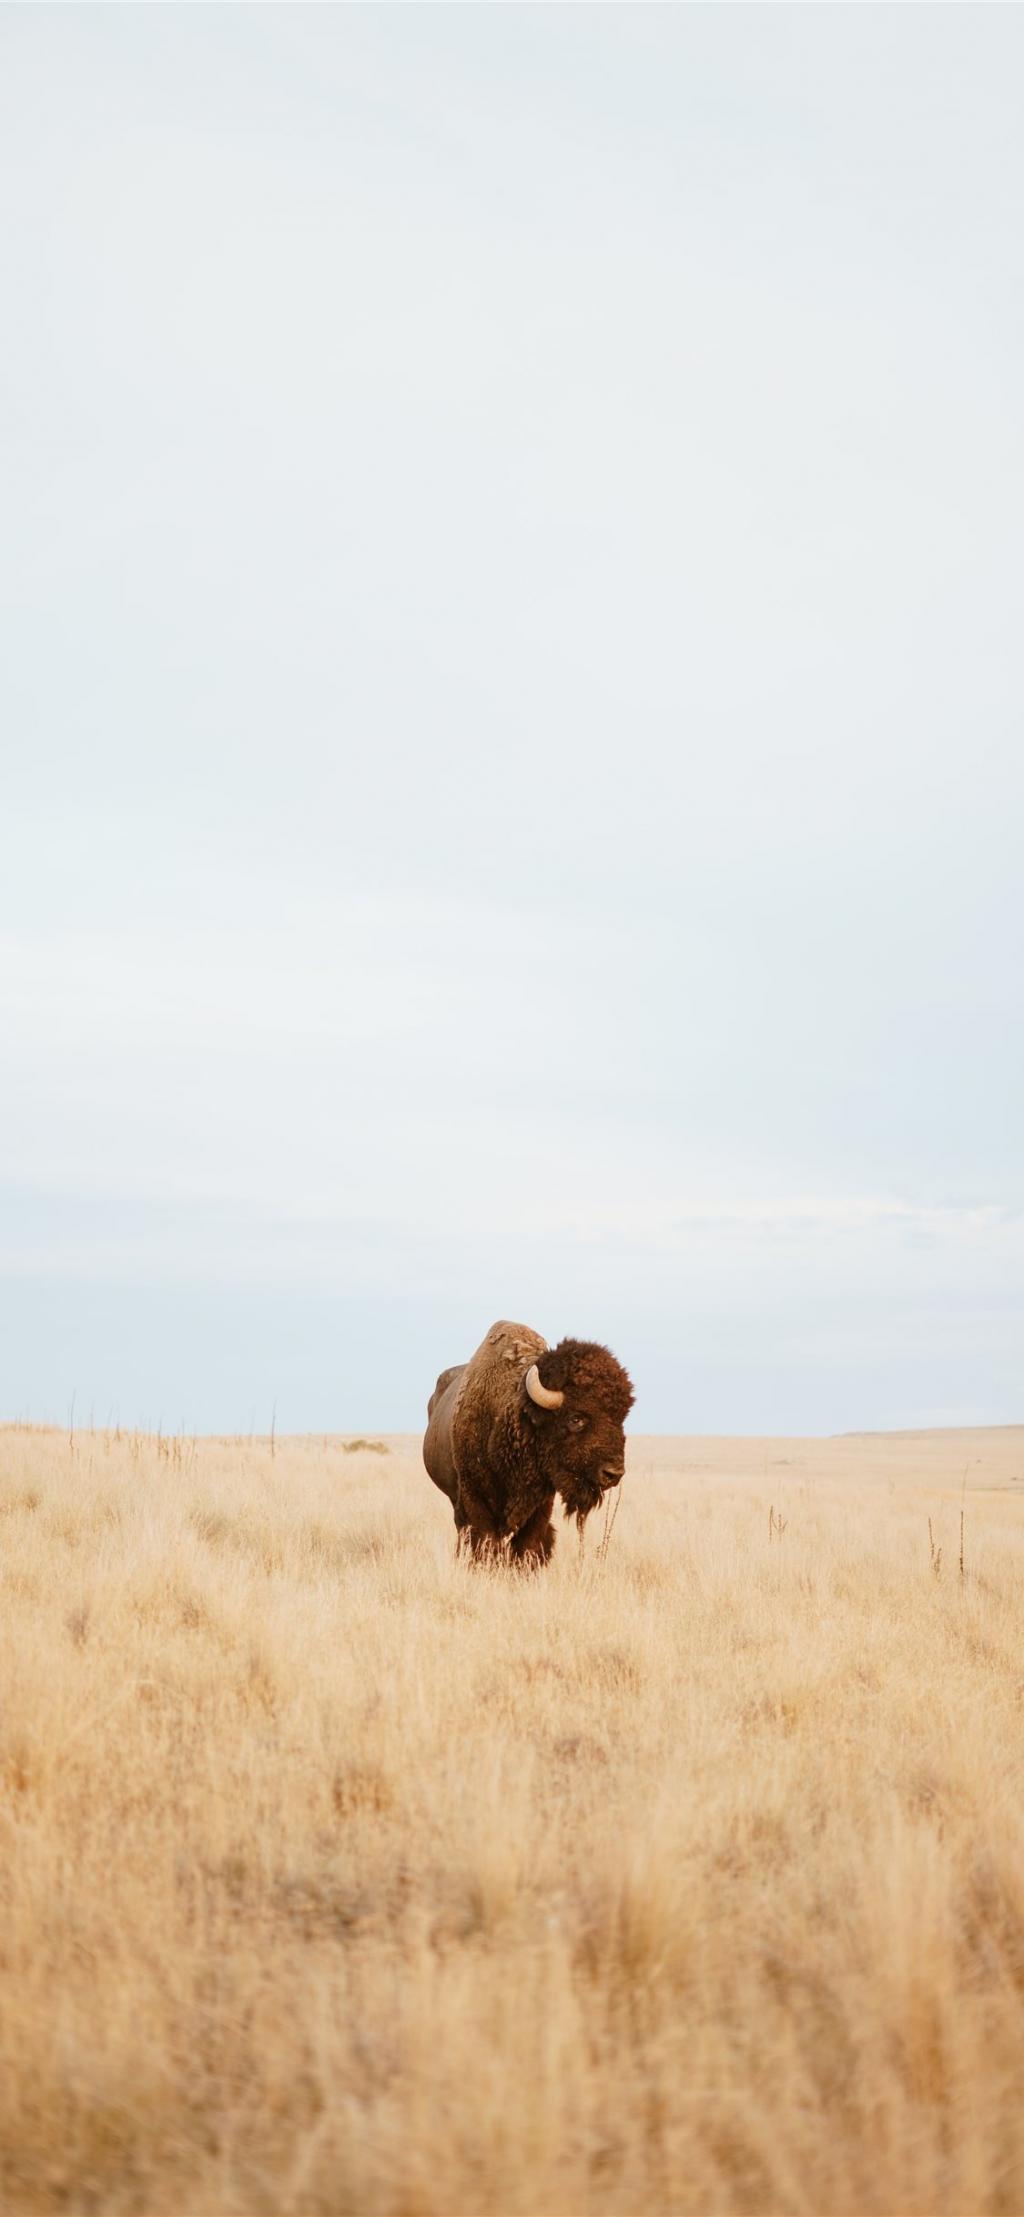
517,1424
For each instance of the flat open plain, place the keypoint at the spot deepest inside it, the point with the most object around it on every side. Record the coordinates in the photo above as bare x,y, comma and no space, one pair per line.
340,1878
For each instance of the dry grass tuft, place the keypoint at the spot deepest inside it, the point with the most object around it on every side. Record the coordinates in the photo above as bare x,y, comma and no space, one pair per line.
340,1879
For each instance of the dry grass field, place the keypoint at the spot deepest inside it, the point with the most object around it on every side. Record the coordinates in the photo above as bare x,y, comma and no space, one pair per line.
340,1878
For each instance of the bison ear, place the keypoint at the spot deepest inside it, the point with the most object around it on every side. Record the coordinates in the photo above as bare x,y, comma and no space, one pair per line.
533,1410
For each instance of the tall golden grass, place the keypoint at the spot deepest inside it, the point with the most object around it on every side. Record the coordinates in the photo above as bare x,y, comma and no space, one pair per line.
338,1877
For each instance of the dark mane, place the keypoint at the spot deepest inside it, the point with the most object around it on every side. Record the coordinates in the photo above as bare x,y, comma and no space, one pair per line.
582,1367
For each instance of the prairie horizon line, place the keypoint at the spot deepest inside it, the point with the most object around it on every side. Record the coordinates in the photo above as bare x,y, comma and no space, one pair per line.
375,1436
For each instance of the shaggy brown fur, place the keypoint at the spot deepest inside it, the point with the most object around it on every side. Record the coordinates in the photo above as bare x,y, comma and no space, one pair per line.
501,1460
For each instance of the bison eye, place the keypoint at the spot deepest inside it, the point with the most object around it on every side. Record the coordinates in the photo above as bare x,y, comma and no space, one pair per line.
577,1424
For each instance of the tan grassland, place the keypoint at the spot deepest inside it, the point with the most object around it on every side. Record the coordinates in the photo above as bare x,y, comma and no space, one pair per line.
340,1879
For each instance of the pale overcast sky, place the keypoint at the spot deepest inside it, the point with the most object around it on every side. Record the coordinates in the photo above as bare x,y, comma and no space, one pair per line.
511,706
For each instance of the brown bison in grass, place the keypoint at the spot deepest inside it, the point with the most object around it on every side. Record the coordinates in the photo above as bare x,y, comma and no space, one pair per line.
517,1424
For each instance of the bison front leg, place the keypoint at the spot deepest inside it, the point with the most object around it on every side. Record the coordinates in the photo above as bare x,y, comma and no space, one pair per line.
533,1542
479,1540
477,1529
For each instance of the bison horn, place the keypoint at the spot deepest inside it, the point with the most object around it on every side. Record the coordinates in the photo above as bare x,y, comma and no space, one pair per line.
544,1398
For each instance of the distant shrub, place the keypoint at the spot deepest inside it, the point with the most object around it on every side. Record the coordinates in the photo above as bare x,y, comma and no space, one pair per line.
363,1447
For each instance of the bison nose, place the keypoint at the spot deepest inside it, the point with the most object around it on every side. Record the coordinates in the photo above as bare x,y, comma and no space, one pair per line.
611,1473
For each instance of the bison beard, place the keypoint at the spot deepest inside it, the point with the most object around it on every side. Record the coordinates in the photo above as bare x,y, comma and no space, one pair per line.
518,1424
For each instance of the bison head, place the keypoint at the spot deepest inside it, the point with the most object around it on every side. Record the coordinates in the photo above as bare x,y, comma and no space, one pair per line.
576,1398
